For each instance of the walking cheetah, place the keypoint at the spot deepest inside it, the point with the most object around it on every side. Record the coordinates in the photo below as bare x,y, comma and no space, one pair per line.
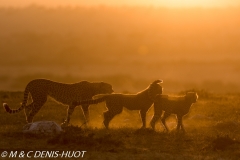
61,92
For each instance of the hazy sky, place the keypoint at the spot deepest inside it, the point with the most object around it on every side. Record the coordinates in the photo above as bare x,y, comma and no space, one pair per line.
164,3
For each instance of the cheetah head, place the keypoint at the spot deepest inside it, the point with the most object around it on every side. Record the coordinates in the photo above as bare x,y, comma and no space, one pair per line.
192,97
105,88
155,89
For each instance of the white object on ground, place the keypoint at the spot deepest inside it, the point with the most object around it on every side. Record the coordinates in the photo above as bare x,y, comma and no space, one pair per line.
42,128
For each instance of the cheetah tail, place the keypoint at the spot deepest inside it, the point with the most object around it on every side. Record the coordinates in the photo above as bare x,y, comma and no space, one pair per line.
89,101
12,111
99,96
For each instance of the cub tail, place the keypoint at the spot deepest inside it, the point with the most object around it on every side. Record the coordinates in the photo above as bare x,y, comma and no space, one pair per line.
99,96
96,99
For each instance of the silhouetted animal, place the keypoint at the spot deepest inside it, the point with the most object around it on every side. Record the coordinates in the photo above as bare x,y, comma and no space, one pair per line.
63,93
115,102
172,105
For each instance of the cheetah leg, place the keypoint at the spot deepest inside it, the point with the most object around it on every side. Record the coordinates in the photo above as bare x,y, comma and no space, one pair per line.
180,125
27,111
155,118
143,116
108,116
35,108
69,113
86,112
166,115
37,103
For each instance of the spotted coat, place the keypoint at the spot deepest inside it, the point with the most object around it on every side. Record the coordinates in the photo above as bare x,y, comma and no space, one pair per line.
40,89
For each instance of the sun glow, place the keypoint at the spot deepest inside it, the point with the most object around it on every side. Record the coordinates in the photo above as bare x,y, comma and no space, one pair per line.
154,3
189,3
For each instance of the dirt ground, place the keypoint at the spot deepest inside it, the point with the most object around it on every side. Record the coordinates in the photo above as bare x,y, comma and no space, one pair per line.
212,132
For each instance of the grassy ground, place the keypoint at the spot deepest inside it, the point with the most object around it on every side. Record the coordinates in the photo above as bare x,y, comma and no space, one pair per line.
212,126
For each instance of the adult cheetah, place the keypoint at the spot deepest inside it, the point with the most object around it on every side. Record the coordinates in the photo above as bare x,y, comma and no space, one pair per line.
40,89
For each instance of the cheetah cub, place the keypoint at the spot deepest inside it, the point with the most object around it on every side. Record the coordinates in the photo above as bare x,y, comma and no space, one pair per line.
172,105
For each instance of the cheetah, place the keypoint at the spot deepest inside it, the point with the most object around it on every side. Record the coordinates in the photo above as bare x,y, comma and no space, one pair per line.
115,102
172,105
40,89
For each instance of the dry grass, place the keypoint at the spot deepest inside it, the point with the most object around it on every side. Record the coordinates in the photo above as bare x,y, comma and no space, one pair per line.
212,132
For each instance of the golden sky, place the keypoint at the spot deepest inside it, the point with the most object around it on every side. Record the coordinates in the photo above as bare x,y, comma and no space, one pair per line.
155,3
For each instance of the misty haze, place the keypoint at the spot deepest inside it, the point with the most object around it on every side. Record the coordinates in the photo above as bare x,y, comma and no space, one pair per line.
125,46
128,50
